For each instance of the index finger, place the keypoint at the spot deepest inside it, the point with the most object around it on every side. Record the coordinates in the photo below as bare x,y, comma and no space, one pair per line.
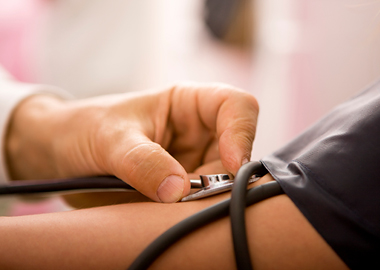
232,114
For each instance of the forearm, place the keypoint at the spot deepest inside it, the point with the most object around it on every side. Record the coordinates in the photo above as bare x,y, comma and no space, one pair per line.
111,237
98,238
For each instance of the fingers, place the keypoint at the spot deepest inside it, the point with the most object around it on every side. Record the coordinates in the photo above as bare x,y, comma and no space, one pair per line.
229,113
235,115
150,169
129,139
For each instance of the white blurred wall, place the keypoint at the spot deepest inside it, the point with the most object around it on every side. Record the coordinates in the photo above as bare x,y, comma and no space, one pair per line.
92,47
311,56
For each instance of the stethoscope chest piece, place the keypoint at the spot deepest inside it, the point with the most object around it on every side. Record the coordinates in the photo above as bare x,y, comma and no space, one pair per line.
211,184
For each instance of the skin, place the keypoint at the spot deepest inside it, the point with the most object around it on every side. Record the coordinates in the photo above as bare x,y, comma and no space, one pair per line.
110,237
143,139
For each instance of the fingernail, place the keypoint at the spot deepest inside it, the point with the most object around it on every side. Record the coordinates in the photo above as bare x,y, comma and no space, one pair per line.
171,189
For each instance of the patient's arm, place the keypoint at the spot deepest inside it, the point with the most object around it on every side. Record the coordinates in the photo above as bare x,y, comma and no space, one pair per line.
111,237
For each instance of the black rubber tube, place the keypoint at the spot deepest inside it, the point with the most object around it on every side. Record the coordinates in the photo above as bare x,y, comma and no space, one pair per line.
237,214
53,185
188,225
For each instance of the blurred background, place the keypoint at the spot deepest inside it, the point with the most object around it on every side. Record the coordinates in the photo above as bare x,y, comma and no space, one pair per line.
299,58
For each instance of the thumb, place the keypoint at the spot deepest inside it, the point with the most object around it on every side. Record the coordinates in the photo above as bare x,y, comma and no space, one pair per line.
150,169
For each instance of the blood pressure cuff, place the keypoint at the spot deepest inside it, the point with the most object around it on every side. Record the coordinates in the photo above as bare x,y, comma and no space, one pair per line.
331,172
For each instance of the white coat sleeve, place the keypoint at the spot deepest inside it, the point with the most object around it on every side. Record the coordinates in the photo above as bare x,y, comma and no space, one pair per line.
11,94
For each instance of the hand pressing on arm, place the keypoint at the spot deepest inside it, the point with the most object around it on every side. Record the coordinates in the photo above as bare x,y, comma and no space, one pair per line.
150,140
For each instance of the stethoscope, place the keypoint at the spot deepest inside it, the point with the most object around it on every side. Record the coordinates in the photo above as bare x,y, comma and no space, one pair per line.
208,185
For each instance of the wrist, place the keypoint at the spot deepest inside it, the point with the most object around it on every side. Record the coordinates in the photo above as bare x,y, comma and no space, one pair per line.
28,148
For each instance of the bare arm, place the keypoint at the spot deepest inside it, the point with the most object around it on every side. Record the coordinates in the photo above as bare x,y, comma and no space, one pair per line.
111,237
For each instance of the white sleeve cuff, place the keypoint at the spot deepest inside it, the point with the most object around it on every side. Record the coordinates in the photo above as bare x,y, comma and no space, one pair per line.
11,94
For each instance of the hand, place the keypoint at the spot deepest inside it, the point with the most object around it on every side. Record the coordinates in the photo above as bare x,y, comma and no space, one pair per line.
149,139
